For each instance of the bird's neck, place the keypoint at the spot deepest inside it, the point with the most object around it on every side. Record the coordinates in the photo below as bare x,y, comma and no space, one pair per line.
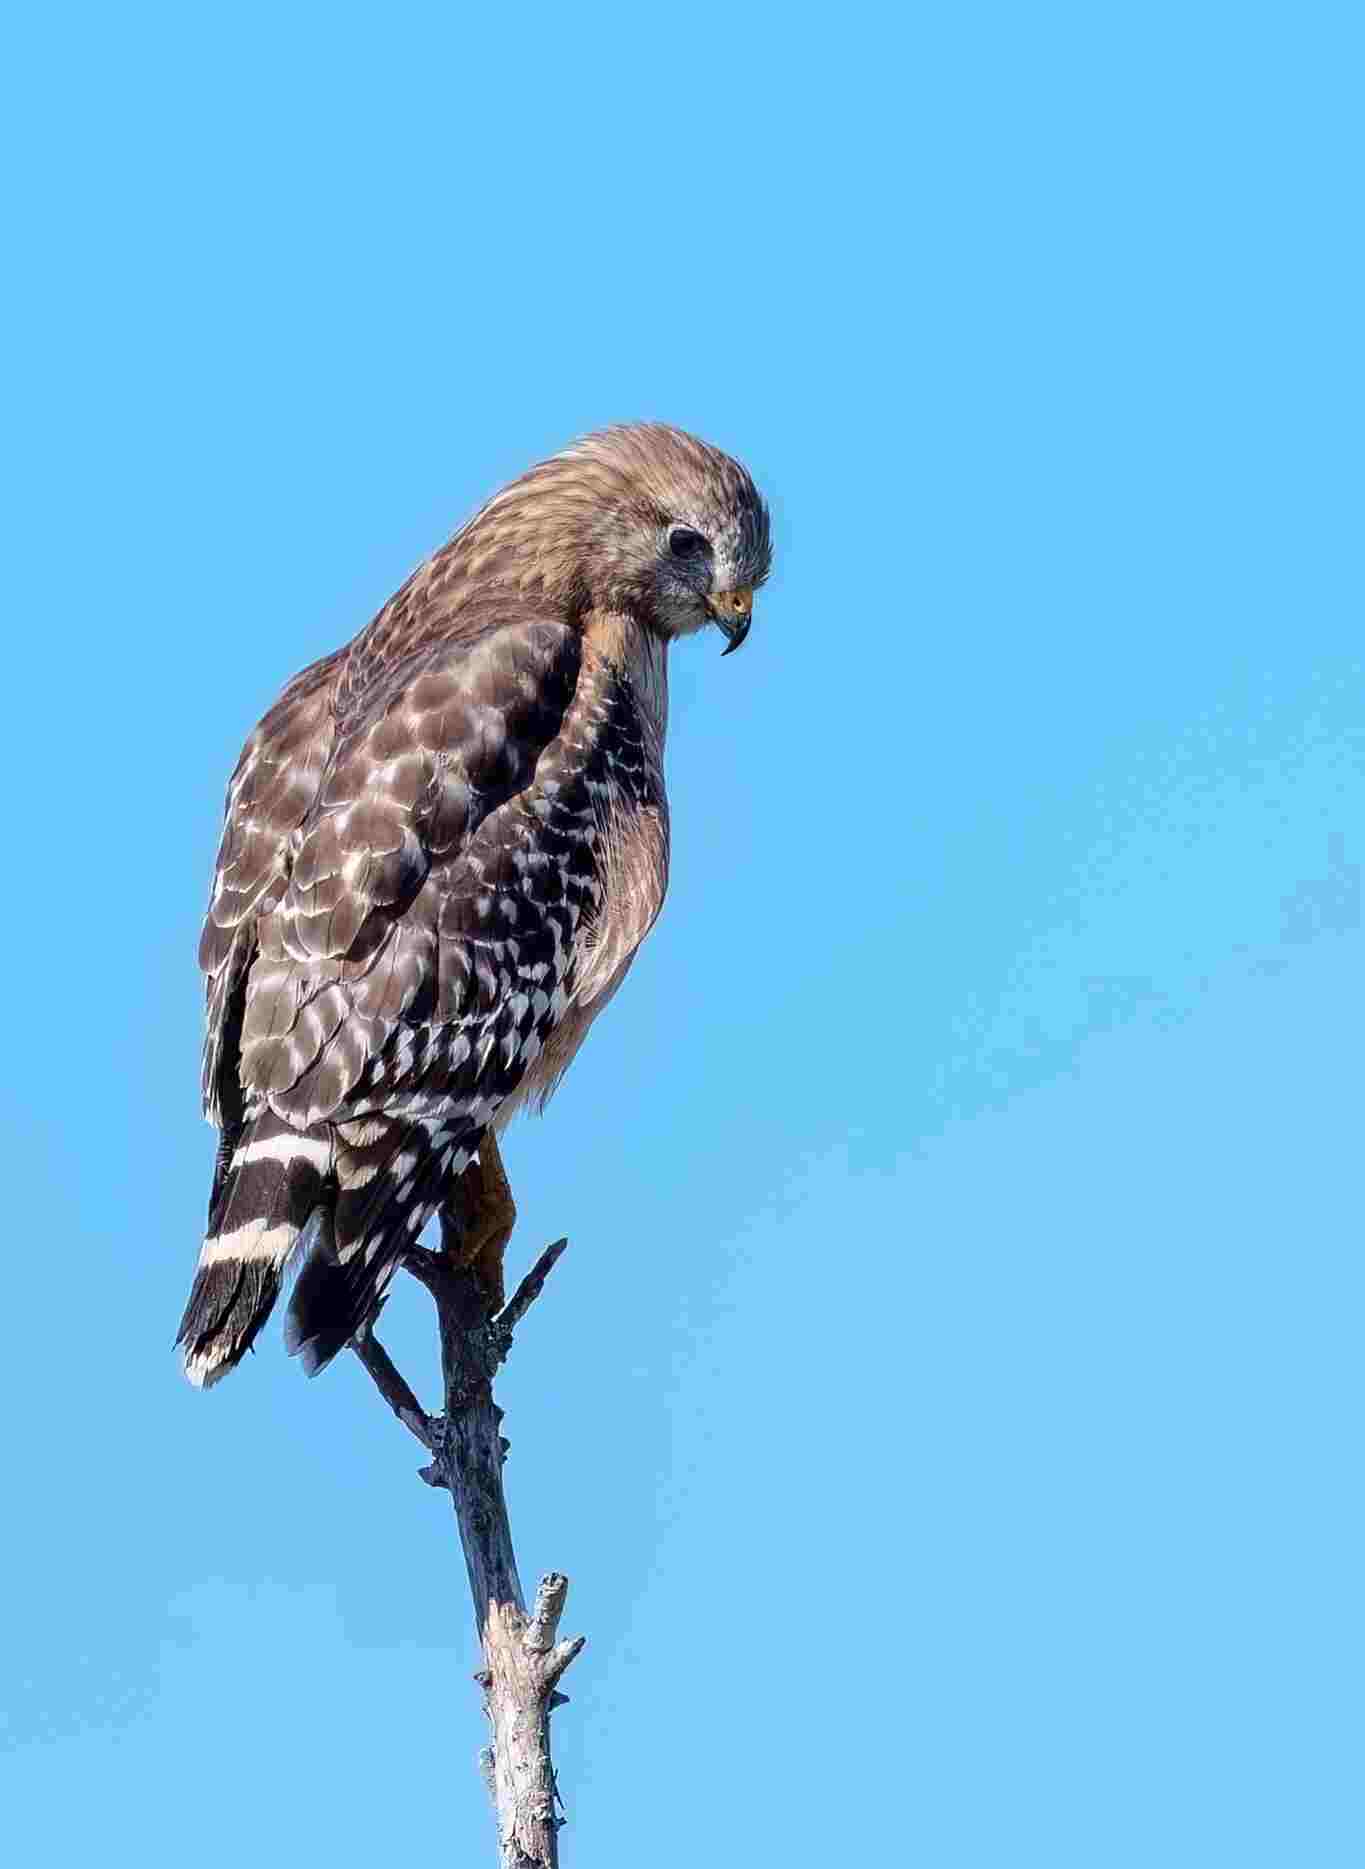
641,655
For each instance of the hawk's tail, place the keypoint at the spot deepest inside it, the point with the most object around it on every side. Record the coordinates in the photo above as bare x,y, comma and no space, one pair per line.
270,1180
390,1178
353,1195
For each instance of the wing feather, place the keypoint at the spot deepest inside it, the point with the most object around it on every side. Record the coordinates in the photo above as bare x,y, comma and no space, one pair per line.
365,906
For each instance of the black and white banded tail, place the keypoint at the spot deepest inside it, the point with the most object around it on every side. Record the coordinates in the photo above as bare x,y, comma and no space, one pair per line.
265,1191
352,1196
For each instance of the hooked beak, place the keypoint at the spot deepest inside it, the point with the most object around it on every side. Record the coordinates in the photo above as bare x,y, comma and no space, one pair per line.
734,612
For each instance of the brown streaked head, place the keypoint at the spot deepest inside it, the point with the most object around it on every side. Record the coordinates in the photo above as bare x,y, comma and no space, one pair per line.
644,520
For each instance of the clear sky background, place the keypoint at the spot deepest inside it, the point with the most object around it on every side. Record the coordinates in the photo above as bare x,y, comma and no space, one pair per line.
949,1409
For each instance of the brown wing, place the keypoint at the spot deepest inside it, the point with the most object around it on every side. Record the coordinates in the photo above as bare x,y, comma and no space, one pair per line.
387,959
345,900
272,790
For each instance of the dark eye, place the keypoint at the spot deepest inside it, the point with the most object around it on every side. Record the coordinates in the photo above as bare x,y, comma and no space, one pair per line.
683,542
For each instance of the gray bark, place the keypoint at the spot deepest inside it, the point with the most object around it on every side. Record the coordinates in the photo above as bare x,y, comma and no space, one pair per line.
522,1658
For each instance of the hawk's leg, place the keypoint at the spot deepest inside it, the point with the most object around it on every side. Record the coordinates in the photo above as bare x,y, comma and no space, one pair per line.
477,1219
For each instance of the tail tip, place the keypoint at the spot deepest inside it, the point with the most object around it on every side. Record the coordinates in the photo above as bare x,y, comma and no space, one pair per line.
329,1302
205,1367
314,1347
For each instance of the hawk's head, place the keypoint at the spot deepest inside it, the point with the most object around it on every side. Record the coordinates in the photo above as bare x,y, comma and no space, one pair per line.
658,525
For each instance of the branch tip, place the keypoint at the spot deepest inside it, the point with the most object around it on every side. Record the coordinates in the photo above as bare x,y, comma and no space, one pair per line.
543,1626
530,1288
561,1655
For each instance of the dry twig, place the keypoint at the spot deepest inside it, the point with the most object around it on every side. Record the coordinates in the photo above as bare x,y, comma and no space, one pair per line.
522,1659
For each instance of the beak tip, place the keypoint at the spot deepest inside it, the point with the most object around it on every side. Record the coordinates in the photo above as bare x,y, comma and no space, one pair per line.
733,611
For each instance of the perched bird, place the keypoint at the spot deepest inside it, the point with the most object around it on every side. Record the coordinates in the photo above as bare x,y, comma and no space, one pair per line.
442,847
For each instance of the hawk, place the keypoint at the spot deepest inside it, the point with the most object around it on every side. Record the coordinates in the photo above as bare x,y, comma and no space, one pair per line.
442,847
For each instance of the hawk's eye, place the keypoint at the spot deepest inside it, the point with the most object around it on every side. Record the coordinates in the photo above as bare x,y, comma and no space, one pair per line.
683,542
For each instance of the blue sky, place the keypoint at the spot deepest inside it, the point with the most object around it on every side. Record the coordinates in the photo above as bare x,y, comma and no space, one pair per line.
948,1412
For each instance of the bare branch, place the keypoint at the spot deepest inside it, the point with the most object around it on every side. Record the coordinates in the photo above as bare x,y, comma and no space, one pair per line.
530,1288
522,1659
561,1655
394,1389
429,1268
549,1606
